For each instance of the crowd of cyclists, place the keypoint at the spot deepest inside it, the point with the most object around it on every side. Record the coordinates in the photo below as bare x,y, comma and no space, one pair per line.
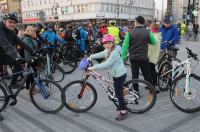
143,42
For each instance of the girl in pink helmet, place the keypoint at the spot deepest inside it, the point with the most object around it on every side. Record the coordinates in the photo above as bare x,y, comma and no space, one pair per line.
116,69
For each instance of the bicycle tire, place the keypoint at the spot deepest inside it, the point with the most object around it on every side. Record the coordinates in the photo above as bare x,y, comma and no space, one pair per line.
3,98
175,92
59,95
56,67
151,96
71,61
71,105
166,78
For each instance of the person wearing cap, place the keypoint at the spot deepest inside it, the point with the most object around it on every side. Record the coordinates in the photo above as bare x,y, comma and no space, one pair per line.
114,31
136,42
117,70
169,33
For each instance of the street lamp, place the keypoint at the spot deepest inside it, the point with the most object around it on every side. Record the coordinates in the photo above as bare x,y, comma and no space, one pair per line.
55,12
130,3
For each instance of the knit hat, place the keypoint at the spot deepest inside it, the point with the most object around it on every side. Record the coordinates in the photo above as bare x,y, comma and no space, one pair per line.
140,19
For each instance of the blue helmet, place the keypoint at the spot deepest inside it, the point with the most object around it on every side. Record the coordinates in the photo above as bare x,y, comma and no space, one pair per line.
12,16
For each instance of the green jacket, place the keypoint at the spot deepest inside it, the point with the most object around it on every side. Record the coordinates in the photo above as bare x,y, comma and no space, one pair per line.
113,62
126,42
32,43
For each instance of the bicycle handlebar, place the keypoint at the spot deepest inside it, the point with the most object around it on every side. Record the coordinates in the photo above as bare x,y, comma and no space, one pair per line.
191,54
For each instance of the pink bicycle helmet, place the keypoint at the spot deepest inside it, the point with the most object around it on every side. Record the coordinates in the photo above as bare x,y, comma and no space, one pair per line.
108,38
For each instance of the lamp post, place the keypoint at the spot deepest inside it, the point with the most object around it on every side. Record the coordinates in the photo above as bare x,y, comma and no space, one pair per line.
129,3
55,13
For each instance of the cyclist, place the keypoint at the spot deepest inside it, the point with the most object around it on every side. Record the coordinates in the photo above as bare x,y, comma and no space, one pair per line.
114,31
118,70
51,36
8,40
169,33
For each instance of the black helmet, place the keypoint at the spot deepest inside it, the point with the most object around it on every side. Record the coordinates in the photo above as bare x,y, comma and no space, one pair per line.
50,26
38,25
12,16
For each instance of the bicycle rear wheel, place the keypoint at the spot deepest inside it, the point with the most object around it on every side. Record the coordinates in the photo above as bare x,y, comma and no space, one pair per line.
3,98
69,63
186,102
141,101
165,76
80,97
57,72
47,96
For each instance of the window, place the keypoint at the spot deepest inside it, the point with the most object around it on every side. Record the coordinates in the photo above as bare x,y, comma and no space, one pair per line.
87,8
103,7
82,8
78,8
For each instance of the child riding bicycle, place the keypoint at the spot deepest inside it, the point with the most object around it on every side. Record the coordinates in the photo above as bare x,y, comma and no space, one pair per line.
117,70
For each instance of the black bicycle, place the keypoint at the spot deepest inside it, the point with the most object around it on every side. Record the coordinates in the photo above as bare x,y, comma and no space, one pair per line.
46,95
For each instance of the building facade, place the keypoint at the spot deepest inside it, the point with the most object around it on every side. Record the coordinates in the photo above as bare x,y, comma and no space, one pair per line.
68,10
180,10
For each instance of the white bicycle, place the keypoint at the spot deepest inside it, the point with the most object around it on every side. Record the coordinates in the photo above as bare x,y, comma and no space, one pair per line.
185,91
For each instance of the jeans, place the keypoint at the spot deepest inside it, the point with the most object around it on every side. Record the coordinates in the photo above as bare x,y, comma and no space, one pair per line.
118,85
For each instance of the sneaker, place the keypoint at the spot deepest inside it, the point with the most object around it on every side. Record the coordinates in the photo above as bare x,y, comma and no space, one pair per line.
122,115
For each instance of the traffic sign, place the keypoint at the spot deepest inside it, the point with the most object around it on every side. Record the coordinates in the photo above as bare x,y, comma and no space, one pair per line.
195,13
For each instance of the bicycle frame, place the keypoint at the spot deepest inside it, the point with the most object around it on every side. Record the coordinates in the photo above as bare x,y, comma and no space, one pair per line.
98,77
176,71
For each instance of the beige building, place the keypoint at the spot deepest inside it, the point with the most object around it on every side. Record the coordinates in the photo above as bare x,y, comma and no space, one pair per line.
9,6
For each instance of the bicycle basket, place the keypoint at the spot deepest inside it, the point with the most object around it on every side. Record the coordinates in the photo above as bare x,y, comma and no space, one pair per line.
172,53
83,64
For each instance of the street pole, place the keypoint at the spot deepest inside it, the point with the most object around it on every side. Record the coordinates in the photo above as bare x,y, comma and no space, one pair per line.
118,9
162,8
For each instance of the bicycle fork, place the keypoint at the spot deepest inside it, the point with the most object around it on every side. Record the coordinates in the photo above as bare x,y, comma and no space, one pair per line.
187,84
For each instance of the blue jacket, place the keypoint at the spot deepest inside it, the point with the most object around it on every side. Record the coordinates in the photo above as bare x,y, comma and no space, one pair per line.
52,37
169,34
83,34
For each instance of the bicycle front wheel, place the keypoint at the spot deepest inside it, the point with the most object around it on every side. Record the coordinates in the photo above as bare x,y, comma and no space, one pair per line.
141,96
186,102
47,96
80,97
3,98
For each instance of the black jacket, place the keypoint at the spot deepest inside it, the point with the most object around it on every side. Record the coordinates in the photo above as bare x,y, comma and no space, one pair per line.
8,40
138,45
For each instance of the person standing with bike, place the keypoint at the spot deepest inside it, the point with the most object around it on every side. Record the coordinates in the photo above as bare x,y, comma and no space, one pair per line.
153,52
169,33
136,41
118,70
30,39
